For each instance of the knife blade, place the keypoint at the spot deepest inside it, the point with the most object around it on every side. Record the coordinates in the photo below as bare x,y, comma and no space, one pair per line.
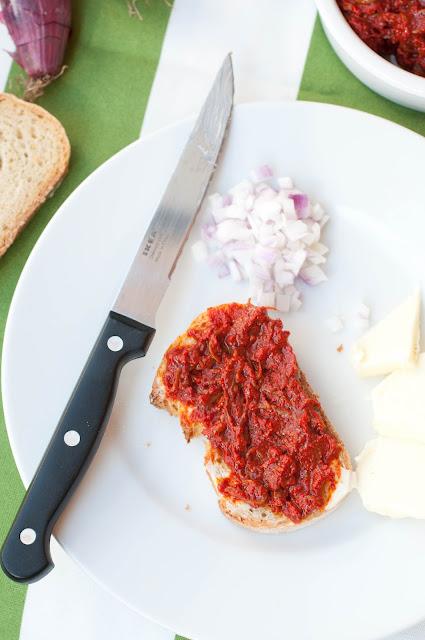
126,334
150,273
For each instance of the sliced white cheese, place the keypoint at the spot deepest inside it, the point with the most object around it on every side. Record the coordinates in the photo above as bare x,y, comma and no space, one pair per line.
391,477
399,403
343,488
391,344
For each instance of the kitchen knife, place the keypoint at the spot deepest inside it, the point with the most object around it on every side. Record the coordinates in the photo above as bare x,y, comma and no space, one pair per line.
126,334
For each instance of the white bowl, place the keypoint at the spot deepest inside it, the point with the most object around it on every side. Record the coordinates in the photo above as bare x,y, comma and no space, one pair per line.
378,74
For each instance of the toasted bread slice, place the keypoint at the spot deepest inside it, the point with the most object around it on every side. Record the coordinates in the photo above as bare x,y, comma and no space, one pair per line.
34,157
252,517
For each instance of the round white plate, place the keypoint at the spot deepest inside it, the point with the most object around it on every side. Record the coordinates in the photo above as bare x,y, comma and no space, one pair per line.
354,574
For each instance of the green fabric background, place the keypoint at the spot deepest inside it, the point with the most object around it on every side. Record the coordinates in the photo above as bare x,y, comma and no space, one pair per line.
100,100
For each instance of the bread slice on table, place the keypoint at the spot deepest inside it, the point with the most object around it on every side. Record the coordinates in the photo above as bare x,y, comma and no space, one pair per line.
34,157
259,518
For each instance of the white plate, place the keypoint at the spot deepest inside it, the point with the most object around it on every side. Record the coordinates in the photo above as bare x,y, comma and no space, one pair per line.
354,573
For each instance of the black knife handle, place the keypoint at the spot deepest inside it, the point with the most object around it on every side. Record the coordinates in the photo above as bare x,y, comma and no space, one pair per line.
25,555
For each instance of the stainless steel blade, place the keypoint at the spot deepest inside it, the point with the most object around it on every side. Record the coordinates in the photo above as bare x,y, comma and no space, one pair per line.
150,273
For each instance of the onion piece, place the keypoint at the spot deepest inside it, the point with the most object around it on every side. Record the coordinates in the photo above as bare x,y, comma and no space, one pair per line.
335,323
317,212
267,299
232,230
266,255
288,207
262,173
285,183
268,210
296,262
320,248
296,229
302,205
312,275
283,302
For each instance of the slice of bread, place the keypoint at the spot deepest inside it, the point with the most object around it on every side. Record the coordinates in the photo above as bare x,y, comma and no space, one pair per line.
256,518
34,157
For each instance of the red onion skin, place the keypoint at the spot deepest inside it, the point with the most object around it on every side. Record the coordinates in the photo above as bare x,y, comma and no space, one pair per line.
40,31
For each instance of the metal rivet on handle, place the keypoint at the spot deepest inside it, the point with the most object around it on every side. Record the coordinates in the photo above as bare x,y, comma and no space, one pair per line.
115,343
27,536
72,438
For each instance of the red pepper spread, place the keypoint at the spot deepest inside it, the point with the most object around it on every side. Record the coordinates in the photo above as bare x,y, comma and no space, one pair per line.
391,27
242,379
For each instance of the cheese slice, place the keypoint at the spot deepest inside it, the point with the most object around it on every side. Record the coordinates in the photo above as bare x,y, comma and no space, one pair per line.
391,477
399,403
391,344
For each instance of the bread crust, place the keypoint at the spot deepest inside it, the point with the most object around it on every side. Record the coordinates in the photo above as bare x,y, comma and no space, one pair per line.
51,180
260,519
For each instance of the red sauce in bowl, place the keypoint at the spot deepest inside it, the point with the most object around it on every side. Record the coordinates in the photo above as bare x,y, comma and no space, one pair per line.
391,28
243,382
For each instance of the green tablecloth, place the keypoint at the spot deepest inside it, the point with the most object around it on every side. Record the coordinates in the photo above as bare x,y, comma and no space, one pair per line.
101,102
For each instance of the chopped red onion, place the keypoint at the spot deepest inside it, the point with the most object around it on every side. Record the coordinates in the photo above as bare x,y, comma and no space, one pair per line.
260,272
320,248
296,261
267,299
284,278
232,230
288,207
315,258
265,194
270,236
262,173
267,255
302,204
317,212
323,221
285,183
312,275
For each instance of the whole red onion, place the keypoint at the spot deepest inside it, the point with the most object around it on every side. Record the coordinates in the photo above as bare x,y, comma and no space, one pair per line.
40,31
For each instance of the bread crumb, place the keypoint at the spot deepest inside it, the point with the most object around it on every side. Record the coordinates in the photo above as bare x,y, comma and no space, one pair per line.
340,348
147,444
187,507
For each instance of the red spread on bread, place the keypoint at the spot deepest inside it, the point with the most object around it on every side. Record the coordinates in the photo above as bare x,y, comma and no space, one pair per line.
242,381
